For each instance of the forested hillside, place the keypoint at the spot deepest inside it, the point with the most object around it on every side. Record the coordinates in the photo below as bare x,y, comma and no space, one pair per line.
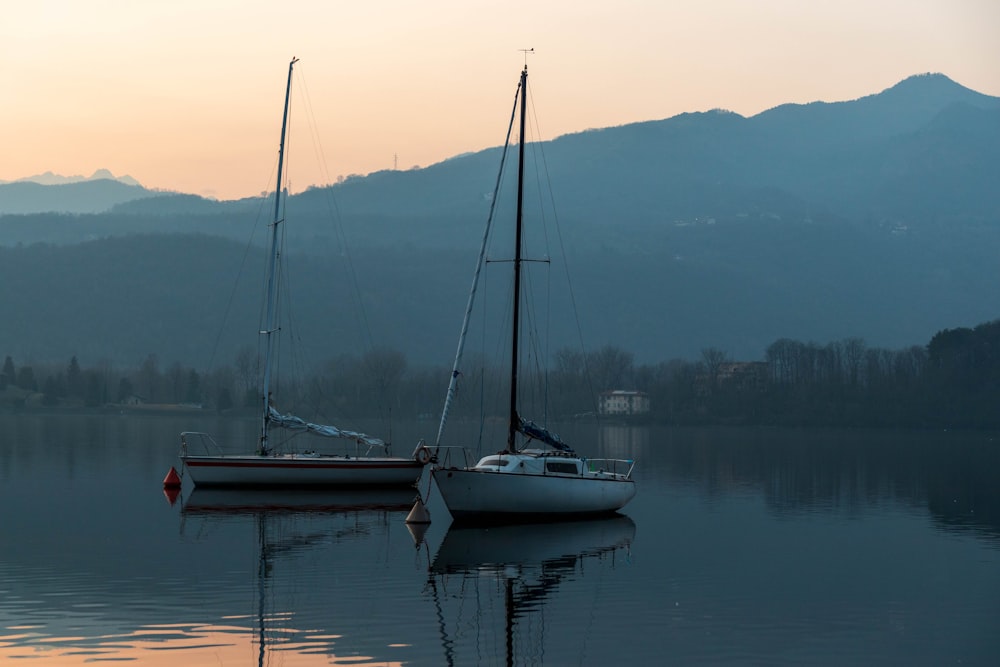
876,218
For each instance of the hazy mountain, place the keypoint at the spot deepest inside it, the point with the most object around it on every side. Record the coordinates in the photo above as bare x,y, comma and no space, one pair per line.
858,160
49,193
196,298
876,218
49,178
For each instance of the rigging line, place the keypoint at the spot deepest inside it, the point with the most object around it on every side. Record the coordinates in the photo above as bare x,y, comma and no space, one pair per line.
538,148
569,282
286,313
504,329
313,127
333,210
333,213
452,383
547,342
538,335
482,372
263,339
280,273
262,207
282,307
295,339
531,359
354,285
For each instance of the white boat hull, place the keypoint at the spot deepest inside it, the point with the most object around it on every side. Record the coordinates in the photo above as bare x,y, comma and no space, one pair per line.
301,470
485,494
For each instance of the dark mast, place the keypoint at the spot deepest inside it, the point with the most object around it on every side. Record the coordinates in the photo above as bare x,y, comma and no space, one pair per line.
514,424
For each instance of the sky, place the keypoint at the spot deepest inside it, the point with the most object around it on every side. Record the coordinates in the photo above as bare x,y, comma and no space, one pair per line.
186,95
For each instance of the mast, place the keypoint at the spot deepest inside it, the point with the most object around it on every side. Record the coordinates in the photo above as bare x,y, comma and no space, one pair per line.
514,420
271,294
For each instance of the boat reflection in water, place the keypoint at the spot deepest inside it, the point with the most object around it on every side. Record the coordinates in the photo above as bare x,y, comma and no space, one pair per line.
291,528
310,501
494,590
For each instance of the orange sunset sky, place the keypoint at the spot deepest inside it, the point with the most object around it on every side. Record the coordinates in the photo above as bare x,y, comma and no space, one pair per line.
186,94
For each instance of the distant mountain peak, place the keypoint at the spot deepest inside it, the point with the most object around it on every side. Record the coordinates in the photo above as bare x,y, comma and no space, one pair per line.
53,193
50,178
927,76
932,91
928,84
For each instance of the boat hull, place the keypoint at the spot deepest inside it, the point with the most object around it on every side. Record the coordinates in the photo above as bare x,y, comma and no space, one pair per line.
472,494
296,470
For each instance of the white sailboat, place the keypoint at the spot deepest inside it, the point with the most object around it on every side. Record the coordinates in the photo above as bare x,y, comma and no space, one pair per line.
365,465
536,475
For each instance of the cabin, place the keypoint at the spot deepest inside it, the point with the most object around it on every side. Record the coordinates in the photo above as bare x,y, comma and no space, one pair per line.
623,402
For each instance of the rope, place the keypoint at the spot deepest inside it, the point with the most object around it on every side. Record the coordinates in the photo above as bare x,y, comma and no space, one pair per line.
239,274
562,249
452,384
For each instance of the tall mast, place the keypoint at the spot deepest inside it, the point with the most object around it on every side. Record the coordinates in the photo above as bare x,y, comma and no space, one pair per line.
271,296
514,420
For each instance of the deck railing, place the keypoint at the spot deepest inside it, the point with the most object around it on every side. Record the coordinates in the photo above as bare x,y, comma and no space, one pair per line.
205,442
453,456
617,467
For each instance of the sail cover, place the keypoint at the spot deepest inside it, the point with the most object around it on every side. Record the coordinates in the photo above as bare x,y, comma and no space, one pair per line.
536,432
294,423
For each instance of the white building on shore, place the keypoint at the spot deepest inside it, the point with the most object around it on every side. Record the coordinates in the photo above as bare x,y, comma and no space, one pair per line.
623,402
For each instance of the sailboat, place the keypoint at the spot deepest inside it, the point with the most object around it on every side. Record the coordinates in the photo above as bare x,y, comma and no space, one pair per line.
536,475
366,465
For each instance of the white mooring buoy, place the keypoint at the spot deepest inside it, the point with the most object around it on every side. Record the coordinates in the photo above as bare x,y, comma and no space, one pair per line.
419,513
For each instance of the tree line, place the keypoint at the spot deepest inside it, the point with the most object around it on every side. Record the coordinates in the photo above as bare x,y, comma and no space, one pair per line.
953,381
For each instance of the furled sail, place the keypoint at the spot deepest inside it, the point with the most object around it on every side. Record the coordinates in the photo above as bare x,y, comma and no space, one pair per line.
536,432
294,423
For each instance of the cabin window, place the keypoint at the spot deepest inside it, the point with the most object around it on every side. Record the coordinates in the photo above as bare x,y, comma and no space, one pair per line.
496,461
566,467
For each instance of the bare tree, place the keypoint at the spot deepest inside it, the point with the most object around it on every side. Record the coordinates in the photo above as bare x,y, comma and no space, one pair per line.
149,378
383,369
610,367
713,358
246,369
854,353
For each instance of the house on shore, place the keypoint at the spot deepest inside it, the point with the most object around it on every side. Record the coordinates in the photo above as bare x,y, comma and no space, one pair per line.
623,402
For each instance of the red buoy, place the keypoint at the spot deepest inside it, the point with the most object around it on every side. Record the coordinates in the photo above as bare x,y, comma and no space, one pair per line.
171,493
172,480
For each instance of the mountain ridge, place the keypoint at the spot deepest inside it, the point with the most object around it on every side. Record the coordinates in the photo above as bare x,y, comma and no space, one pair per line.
706,229
51,178
898,109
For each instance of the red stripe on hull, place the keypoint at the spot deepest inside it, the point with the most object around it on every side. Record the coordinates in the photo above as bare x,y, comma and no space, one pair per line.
309,465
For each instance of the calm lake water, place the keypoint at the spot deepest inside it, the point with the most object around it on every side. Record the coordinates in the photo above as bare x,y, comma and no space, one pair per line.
742,546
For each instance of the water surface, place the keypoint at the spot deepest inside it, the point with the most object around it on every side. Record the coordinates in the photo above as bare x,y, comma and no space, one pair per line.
742,546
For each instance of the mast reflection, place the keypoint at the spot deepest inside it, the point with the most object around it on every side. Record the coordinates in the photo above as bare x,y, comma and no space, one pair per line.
516,568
